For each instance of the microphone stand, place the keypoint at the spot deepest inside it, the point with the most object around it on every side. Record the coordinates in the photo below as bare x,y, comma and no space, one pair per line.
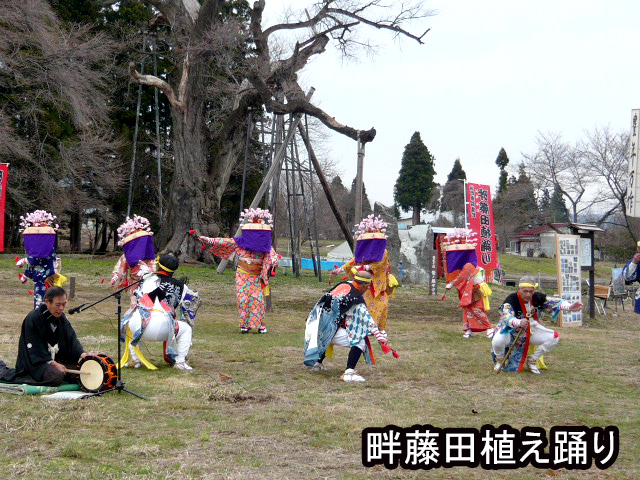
120,385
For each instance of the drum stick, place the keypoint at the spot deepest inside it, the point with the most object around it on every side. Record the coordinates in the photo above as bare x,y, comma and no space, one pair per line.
79,372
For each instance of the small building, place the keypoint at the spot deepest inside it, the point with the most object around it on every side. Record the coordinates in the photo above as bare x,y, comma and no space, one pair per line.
537,241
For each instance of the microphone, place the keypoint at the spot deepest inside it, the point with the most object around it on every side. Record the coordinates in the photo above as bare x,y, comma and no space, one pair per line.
76,309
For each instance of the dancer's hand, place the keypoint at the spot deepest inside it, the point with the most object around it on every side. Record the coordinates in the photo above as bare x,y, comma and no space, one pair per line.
576,306
336,271
520,323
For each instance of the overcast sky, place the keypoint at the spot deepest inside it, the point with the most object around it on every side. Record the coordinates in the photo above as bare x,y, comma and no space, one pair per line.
490,74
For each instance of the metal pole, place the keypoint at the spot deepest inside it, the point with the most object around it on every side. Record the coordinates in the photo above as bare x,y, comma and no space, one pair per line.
313,206
327,189
158,149
135,131
464,191
277,161
246,157
294,256
305,208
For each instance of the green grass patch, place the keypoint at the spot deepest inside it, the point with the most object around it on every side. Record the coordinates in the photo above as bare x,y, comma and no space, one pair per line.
250,410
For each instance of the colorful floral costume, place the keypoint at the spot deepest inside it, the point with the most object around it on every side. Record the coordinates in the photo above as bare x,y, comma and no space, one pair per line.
371,251
474,298
377,295
512,311
256,262
136,240
42,265
165,312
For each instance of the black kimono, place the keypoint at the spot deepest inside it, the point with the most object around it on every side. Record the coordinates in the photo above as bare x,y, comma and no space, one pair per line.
40,332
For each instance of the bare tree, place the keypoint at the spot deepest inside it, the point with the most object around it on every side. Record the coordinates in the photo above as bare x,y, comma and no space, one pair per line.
208,141
605,153
559,165
53,113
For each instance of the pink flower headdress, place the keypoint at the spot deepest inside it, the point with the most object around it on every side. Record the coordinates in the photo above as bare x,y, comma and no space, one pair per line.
131,225
461,236
39,218
256,215
371,224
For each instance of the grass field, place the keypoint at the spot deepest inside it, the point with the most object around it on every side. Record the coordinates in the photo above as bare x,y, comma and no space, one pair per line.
275,420
516,265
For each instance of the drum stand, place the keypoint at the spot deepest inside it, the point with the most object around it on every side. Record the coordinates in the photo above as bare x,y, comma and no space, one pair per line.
119,383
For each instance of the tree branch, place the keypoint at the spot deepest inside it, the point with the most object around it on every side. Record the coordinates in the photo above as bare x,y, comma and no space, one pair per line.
310,23
379,25
158,83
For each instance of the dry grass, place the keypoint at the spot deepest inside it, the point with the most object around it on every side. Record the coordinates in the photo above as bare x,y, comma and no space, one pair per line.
274,420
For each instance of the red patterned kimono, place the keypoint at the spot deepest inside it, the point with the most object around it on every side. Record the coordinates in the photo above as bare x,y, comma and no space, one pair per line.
474,314
252,276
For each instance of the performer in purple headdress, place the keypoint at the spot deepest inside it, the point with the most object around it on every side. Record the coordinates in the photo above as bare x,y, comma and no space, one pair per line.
42,264
136,240
256,261
371,250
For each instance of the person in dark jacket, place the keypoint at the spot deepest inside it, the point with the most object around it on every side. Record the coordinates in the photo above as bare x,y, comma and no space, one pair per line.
48,345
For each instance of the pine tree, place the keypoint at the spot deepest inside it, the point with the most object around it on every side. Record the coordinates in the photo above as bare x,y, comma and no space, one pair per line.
558,207
457,173
502,161
415,184
453,192
545,204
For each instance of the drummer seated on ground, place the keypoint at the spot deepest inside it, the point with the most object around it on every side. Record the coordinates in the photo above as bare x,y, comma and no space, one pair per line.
48,345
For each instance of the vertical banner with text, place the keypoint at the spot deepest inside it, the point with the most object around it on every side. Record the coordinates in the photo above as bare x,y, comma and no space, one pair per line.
480,215
633,189
4,174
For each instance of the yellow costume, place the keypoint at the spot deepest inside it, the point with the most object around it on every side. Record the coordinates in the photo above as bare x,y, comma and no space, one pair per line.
377,295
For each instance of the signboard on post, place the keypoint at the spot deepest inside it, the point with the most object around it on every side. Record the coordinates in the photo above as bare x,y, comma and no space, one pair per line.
568,261
480,215
633,187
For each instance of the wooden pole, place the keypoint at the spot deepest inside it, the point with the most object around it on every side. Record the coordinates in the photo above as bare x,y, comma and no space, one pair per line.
358,210
277,160
327,189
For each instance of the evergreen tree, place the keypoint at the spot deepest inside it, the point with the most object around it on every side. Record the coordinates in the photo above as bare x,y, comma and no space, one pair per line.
453,192
415,184
457,173
558,208
545,203
502,161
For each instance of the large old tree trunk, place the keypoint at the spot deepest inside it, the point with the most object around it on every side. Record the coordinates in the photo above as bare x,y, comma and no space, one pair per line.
210,47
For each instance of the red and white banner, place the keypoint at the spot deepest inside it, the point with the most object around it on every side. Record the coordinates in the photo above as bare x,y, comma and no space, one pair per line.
4,173
480,217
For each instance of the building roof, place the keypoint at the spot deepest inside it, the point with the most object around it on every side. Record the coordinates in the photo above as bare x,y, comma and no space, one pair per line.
534,232
587,227
442,229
